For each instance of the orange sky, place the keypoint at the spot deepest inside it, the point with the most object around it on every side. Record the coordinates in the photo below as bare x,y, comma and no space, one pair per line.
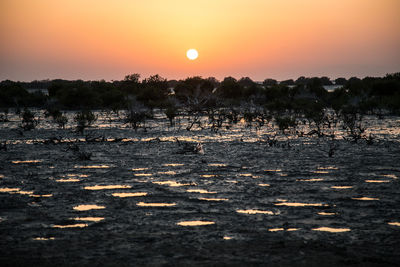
103,39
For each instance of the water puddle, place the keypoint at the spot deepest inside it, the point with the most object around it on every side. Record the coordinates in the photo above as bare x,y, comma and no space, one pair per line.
140,169
195,223
297,204
173,164
201,191
43,238
25,161
107,187
326,213
213,199
377,181
264,185
69,180
342,187
394,223
137,194
255,212
89,219
143,204
332,230
171,183
78,225
88,207
92,167
365,198
310,180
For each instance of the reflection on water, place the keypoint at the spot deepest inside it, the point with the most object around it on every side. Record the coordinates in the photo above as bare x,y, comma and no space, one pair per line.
7,190
25,161
168,173
1,176
377,181
78,175
89,219
255,212
21,192
277,170
245,174
137,194
92,167
213,199
106,187
281,200
173,164
283,229
78,225
326,213
88,207
310,180
201,191
195,223
328,168
217,165
47,195
142,174
43,238
390,176
171,183
332,230
69,180
342,187
296,204
265,185
365,198
139,169
394,223
142,204
227,238
208,175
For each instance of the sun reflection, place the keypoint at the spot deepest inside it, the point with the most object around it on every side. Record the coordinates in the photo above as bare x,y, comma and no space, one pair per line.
167,172
377,181
89,219
394,223
390,176
201,191
245,174
264,185
217,165
283,229
310,180
78,225
92,167
326,213
173,164
171,183
213,199
43,238
142,174
227,238
365,198
25,161
208,175
88,207
69,180
139,169
342,187
332,230
142,204
255,212
106,187
194,223
137,194
296,204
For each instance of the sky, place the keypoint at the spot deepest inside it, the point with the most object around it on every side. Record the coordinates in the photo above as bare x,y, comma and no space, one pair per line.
280,39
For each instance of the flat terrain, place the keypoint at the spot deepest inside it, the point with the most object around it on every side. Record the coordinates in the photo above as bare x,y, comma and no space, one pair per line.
144,200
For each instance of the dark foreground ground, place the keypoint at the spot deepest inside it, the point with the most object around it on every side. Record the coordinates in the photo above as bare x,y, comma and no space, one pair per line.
266,202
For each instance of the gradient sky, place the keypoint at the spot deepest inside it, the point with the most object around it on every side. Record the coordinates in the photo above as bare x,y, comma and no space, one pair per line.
281,39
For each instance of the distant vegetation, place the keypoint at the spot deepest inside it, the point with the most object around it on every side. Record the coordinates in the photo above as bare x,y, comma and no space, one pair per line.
307,96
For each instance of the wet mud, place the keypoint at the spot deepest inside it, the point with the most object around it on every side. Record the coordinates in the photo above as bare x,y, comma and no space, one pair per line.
140,201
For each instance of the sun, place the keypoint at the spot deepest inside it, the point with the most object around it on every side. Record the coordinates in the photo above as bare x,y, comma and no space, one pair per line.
192,54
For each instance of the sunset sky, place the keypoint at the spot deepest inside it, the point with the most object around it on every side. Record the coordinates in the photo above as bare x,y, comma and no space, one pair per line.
281,39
